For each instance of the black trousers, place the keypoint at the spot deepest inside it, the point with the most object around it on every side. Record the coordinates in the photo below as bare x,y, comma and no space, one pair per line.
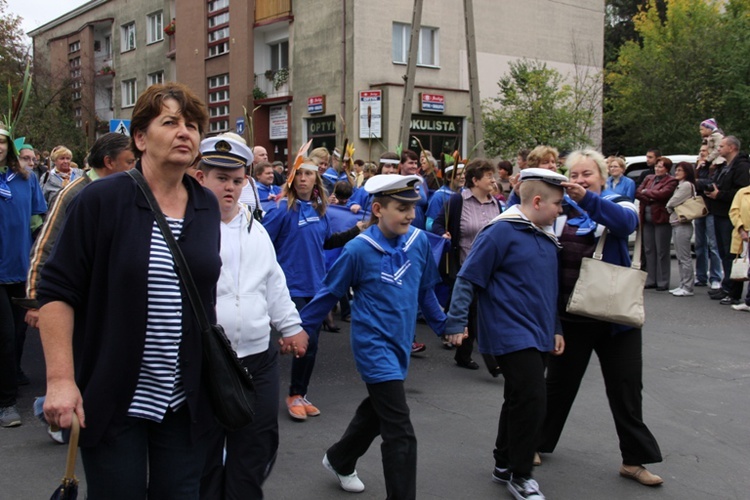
11,322
147,460
250,451
724,228
465,350
522,412
621,361
384,412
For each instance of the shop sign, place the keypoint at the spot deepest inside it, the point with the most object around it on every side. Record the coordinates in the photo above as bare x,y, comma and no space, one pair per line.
325,125
434,103
437,124
370,114
278,125
316,104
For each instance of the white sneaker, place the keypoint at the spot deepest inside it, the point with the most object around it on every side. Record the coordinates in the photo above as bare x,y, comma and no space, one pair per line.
741,307
673,290
681,292
715,285
349,483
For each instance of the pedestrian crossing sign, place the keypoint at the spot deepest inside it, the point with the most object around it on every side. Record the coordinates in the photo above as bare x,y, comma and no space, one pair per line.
120,127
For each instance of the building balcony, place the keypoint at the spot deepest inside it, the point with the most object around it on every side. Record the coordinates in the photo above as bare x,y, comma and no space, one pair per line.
272,84
268,10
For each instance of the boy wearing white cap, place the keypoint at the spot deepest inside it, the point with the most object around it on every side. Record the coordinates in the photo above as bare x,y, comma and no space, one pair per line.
392,272
514,261
251,297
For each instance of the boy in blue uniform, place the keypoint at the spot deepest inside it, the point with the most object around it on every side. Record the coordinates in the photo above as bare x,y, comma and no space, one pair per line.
392,272
514,261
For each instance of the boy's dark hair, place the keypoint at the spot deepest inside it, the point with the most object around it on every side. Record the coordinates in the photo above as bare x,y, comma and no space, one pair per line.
408,154
383,201
476,170
111,145
656,152
505,165
342,190
359,163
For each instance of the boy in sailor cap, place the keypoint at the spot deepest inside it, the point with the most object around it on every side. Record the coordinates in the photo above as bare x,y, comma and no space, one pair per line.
393,273
252,296
514,261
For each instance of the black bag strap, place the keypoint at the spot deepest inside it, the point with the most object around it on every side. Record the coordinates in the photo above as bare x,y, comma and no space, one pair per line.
179,259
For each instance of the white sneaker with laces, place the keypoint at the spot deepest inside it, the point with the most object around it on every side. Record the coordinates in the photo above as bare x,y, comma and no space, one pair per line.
741,307
681,292
349,483
673,290
524,489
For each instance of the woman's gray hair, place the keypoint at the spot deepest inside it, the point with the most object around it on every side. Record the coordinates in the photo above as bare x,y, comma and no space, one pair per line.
579,155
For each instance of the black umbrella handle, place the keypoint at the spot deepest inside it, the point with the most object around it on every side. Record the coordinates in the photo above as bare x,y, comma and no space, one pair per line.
70,464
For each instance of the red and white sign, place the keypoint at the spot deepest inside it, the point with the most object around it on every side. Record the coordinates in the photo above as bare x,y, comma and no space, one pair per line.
432,102
316,104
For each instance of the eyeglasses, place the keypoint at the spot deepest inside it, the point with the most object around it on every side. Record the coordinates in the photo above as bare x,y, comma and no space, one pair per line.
27,158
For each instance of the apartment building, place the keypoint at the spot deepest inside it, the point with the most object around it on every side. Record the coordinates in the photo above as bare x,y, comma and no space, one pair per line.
321,70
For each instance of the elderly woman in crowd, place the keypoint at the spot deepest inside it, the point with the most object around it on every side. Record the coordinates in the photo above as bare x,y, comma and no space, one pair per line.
543,157
122,346
591,209
682,231
61,174
653,193
617,181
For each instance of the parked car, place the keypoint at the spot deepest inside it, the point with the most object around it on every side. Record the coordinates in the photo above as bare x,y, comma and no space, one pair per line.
634,165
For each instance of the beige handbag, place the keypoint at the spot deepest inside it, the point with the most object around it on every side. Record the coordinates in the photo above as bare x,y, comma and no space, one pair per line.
740,266
691,209
609,292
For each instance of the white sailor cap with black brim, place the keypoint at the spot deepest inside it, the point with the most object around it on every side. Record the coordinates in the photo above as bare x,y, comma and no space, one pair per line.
449,168
544,175
225,152
398,187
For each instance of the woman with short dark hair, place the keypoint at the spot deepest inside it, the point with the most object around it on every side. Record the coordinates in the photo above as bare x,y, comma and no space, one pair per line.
120,341
682,231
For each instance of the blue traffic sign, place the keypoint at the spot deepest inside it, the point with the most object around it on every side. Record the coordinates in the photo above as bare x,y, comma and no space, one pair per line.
120,127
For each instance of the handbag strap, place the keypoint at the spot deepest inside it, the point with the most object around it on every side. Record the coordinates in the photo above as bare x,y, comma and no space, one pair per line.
636,263
70,462
179,259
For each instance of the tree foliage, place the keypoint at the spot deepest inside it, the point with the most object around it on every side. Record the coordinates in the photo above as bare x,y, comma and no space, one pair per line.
690,64
535,106
48,119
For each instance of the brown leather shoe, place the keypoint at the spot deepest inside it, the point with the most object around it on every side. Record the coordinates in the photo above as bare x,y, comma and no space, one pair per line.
640,474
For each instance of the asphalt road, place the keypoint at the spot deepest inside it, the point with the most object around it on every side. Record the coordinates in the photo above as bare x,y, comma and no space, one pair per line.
696,402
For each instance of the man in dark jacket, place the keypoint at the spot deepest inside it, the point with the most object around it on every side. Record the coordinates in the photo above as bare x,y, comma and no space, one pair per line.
726,182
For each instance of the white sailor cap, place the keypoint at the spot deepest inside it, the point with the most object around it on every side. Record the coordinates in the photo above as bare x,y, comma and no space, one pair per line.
542,174
399,187
225,152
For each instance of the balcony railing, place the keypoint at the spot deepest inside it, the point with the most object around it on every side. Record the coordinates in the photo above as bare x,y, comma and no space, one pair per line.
266,10
272,84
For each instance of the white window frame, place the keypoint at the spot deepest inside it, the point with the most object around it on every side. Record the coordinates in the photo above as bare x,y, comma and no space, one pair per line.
155,78
218,20
218,49
219,34
74,47
129,92
154,27
401,38
277,62
127,37
218,126
217,111
215,5
218,81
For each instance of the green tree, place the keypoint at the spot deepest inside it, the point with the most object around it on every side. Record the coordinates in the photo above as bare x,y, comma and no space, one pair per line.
690,64
535,106
48,119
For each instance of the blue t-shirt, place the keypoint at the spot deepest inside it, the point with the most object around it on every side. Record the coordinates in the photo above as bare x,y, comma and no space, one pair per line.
515,267
384,313
331,177
15,226
298,236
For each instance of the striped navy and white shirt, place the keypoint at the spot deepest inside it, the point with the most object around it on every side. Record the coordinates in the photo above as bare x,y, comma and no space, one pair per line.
160,381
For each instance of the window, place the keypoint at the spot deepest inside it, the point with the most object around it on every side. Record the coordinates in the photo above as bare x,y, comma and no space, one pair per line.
74,47
427,55
220,34
154,28
75,62
107,47
79,123
214,21
218,81
215,111
215,5
76,95
78,112
218,126
128,37
76,73
221,95
280,55
129,93
154,78
218,49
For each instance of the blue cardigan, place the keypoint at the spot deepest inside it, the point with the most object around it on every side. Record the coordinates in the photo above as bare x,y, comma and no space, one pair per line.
99,267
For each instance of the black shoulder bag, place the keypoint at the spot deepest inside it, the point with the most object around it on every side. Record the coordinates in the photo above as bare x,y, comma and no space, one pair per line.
230,386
